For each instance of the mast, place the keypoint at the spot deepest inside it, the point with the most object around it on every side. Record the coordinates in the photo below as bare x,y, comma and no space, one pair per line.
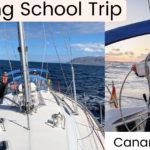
74,89
23,57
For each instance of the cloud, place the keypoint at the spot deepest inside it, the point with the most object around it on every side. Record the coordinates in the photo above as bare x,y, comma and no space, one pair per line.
129,53
116,50
48,58
89,47
146,49
114,54
72,28
76,28
9,31
142,56
89,28
36,29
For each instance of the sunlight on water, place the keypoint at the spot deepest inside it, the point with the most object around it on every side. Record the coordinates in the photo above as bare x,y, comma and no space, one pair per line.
134,87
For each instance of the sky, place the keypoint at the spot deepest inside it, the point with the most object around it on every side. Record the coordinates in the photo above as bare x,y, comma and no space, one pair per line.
47,40
135,49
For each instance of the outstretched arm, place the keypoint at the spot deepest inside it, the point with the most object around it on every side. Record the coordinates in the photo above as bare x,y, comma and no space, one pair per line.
139,68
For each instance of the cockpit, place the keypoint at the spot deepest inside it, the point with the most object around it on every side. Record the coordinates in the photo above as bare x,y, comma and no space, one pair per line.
15,79
14,90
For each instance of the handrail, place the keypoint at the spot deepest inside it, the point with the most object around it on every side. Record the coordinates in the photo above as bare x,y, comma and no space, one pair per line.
30,69
31,76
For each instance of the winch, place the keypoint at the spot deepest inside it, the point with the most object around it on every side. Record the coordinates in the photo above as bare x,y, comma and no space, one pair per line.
58,120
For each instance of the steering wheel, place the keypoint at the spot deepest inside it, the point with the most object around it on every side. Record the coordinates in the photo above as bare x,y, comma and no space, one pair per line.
121,91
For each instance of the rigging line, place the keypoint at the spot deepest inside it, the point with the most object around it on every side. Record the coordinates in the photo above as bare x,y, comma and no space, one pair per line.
134,98
27,34
87,129
55,47
110,84
69,86
67,50
124,95
76,133
45,46
149,4
120,96
84,125
93,127
70,46
140,123
7,50
13,49
10,65
69,89
14,53
66,45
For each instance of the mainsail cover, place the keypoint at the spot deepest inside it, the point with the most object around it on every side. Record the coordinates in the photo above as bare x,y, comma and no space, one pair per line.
126,32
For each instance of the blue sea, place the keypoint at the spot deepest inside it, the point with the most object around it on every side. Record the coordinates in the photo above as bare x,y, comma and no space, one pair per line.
89,81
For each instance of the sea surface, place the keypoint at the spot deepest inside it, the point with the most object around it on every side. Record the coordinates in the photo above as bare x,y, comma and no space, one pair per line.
89,81
134,88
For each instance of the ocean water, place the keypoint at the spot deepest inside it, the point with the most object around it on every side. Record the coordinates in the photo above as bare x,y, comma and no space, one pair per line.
89,81
134,88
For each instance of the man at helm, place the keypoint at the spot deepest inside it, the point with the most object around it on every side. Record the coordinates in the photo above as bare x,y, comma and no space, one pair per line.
34,72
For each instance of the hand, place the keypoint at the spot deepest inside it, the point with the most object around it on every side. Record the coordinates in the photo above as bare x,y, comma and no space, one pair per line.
133,68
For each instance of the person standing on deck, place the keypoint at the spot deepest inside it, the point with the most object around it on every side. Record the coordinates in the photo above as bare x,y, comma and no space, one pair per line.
34,72
4,78
3,85
35,80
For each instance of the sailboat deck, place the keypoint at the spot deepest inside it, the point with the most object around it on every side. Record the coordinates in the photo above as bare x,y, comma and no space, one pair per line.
78,134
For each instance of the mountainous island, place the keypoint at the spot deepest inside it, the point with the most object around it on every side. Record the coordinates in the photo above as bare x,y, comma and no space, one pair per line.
89,60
